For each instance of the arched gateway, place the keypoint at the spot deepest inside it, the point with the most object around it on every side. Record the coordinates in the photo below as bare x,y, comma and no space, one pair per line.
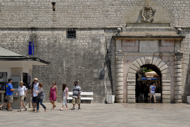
165,77
148,41
131,78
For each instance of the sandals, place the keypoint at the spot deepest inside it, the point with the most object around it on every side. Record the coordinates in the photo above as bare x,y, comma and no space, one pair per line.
25,109
53,107
19,110
61,109
10,109
72,108
33,110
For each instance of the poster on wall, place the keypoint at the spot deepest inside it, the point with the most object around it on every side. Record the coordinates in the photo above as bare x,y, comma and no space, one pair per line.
3,76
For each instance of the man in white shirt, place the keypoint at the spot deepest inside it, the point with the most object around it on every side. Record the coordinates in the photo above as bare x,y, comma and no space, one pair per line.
34,94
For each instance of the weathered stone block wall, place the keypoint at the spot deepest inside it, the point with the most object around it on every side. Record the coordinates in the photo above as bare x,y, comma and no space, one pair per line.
82,13
86,50
83,59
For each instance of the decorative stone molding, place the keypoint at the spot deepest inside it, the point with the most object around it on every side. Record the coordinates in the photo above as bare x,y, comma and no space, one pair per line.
178,77
166,79
119,79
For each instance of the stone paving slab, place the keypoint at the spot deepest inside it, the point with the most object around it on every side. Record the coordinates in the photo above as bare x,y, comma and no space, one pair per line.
102,115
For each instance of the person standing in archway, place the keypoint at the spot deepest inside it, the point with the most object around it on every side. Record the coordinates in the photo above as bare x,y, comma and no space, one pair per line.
146,90
152,92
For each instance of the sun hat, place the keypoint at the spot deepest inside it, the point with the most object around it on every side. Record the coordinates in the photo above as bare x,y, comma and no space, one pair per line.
21,82
36,79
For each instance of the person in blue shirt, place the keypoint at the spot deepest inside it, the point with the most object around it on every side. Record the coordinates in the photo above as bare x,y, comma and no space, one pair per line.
152,92
9,94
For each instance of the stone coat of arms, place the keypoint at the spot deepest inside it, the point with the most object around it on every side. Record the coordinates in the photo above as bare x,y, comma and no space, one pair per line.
147,14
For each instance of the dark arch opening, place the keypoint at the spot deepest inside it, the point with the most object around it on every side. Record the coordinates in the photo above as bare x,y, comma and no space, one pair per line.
143,84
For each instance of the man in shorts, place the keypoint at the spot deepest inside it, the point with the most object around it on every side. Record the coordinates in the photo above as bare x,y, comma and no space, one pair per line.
152,92
9,94
76,95
34,94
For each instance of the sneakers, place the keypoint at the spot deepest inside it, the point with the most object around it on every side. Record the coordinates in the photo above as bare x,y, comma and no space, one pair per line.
72,108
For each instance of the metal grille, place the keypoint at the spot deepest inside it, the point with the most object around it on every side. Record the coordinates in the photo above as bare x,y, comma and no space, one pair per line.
71,34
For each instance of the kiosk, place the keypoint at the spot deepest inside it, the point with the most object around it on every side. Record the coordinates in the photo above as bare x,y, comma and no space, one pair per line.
19,68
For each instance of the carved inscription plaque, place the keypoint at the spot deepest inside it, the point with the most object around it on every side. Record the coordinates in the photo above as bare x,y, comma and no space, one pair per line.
148,46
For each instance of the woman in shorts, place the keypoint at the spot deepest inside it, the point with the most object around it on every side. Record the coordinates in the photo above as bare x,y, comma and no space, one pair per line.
22,90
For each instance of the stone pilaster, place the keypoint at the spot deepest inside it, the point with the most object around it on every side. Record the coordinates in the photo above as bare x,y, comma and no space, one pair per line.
119,79
178,77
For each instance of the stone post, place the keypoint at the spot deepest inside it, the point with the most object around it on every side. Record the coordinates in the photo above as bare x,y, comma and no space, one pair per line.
178,75
119,79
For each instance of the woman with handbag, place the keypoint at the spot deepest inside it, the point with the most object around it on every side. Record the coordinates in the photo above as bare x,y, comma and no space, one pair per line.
40,98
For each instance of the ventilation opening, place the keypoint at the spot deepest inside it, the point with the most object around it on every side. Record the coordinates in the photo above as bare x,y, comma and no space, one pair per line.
53,5
71,33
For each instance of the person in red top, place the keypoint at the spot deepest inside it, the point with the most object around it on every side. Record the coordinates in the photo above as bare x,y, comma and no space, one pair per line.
53,94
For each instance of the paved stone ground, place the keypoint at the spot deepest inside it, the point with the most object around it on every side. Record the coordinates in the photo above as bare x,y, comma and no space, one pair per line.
102,115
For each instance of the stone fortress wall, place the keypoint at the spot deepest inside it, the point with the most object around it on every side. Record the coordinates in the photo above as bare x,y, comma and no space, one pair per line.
87,58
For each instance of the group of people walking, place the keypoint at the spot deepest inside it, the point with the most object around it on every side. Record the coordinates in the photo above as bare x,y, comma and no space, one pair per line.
38,95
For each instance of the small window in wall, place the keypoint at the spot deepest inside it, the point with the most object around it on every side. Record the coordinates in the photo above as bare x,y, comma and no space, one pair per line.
53,6
31,48
71,33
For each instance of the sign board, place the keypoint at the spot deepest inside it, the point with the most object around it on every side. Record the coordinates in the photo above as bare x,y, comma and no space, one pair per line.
148,46
153,78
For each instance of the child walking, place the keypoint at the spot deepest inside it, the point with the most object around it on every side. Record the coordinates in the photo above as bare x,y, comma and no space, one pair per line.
40,98
22,90
65,95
